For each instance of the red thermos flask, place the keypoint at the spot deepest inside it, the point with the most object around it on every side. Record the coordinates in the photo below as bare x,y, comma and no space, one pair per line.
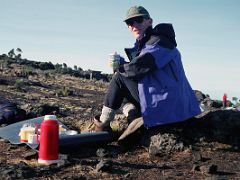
49,140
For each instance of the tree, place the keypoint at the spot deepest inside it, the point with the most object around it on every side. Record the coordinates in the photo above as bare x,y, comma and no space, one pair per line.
19,50
235,99
19,53
80,69
11,53
64,65
75,67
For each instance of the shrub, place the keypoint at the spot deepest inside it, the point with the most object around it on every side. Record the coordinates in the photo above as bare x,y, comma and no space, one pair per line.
19,84
64,92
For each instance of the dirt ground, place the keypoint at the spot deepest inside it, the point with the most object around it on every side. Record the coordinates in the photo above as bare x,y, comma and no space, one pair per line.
132,164
205,160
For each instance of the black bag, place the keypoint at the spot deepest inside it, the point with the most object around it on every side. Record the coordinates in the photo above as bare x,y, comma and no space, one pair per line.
10,113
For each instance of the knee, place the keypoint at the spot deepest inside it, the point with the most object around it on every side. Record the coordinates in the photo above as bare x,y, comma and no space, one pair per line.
116,77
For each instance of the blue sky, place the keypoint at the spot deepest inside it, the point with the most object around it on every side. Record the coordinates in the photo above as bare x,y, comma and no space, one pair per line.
83,33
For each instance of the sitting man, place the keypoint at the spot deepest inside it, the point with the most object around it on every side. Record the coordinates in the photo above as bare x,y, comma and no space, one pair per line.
153,83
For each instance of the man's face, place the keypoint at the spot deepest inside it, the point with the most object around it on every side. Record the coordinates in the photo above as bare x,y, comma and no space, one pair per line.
138,26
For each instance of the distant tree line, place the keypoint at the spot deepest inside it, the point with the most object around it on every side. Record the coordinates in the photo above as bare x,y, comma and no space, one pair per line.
15,58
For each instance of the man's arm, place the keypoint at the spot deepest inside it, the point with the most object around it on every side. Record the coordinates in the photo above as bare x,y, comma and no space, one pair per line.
139,66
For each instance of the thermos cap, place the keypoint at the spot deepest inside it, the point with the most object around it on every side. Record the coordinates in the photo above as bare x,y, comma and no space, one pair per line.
50,117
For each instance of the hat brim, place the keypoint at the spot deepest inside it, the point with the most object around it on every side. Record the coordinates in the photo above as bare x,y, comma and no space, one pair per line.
133,16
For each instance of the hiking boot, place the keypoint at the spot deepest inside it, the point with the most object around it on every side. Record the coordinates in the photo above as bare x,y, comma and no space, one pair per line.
98,126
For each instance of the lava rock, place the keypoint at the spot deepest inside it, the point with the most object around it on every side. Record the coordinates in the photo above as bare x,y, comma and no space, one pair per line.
162,144
30,155
103,165
208,169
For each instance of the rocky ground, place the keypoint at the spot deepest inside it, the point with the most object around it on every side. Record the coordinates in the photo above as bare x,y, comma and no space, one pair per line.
206,147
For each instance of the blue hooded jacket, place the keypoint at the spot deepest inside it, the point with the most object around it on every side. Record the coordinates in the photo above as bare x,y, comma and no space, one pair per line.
164,91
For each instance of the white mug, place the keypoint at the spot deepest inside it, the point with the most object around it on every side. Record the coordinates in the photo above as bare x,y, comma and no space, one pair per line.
32,139
114,57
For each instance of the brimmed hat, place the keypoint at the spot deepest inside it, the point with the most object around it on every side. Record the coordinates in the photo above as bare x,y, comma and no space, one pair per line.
136,11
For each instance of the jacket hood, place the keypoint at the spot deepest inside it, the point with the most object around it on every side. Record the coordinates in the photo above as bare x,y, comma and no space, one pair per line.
165,29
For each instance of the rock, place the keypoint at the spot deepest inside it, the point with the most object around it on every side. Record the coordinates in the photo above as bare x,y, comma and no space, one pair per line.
216,125
47,109
25,171
197,156
4,81
103,165
212,169
30,155
63,156
208,169
8,171
127,175
62,163
162,144
196,167
3,140
101,153
3,125
199,95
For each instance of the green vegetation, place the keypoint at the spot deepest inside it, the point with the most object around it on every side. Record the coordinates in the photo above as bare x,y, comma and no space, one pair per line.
12,53
63,92
19,84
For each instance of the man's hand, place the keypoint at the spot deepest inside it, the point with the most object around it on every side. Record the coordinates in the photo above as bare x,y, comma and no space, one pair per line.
115,61
114,64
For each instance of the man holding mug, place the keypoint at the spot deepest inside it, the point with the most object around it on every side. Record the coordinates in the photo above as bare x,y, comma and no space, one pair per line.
153,84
